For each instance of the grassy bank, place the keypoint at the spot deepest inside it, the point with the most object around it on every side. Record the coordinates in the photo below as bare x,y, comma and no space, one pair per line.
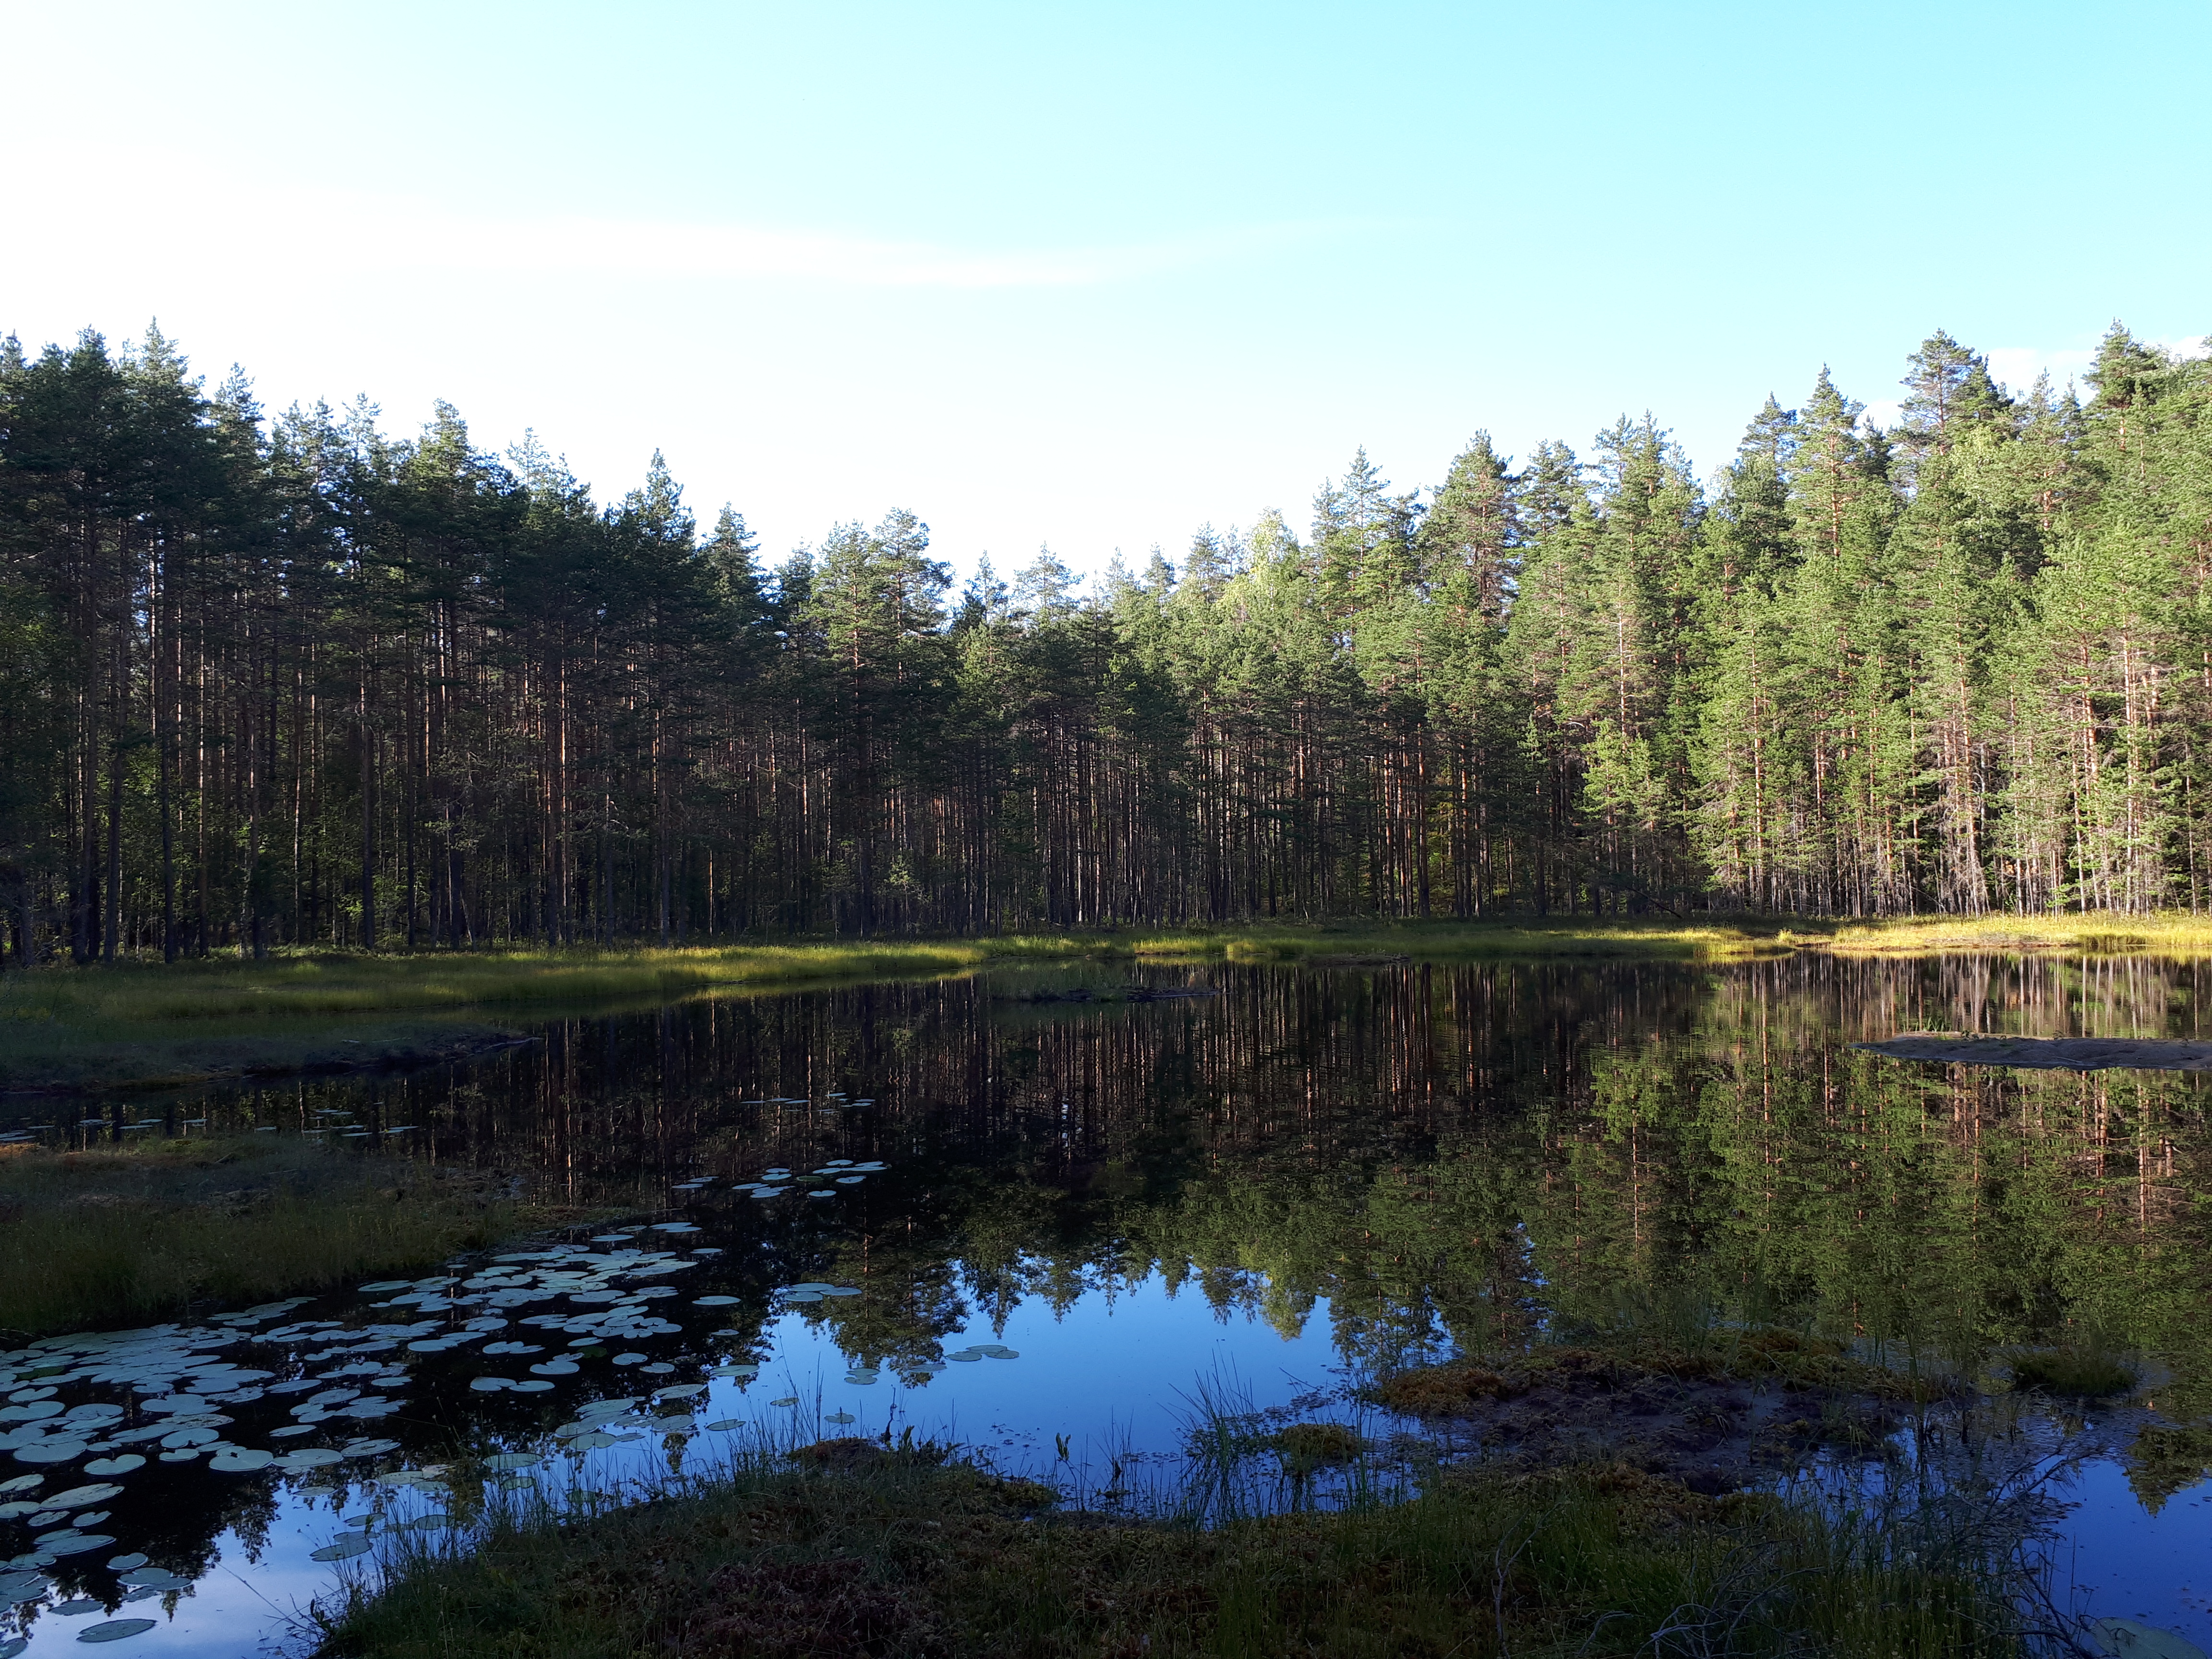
847,1551
2170,933
138,1025
140,1232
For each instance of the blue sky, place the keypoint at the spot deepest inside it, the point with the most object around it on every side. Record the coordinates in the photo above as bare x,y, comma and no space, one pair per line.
1092,275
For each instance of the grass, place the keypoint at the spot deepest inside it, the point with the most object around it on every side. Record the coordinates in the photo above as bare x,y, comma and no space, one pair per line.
144,1025
143,1232
859,1550
147,1026
2168,934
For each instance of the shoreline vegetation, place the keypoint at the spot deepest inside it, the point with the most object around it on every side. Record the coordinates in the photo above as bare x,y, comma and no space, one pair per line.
110,1236
1316,1538
903,1559
140,1026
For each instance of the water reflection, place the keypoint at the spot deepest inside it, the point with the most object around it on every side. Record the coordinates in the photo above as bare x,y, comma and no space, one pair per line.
1305,1177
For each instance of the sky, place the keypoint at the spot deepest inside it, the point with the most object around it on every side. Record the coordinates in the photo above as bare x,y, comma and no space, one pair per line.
1087,275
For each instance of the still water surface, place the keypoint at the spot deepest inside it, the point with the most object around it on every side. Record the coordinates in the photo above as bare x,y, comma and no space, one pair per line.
1037,1216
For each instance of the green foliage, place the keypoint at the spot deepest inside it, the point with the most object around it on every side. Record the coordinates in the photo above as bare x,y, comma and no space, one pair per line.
295,681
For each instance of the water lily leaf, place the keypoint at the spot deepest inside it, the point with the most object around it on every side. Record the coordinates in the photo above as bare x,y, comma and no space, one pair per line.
490,1384
114,1630
713,1301
22,1586
531,1385
14,1646
343,1548
77,1497
78,1545
368,1448
124,1563
159,1580
51,1451
514,1461
119,1465
838,1417
792,1400
724,1426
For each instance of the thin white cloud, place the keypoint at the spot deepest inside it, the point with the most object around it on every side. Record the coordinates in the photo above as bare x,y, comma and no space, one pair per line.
691,251
108,203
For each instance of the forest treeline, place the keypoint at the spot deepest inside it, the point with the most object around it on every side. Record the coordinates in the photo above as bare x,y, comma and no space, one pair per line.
273,679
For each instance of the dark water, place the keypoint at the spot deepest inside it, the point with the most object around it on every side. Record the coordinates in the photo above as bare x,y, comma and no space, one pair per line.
1091,1212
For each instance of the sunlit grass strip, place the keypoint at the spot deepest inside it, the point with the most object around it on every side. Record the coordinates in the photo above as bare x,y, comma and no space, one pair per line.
330,983
2170,933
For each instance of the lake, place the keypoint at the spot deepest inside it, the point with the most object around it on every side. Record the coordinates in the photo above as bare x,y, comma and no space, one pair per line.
1048,1214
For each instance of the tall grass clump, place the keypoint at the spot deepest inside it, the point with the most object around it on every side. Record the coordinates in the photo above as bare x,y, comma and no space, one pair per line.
117,1234
859,1547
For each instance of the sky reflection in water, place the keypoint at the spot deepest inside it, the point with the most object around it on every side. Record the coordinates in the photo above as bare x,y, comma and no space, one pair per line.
1313,1174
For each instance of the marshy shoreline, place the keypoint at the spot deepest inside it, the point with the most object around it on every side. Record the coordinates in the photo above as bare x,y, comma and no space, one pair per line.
136,1025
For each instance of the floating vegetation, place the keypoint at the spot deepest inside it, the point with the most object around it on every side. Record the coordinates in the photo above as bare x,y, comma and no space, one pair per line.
115,1629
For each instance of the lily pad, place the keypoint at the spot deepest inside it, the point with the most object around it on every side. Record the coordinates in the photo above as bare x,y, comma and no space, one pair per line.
490,1384
160,1580
120,1465
838,1417
792,1399
506,1461
114,1630
343,1548
124,1563
51,1451
21,1587
713,1301
531,1385
77,1496
75,1544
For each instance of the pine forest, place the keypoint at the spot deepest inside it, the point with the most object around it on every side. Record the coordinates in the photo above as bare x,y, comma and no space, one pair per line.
283,679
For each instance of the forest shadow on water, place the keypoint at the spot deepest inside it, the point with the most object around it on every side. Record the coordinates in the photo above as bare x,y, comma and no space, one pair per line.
1105,1225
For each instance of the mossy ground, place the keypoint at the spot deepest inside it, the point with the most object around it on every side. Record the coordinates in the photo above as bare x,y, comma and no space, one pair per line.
849,1555
140,1232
